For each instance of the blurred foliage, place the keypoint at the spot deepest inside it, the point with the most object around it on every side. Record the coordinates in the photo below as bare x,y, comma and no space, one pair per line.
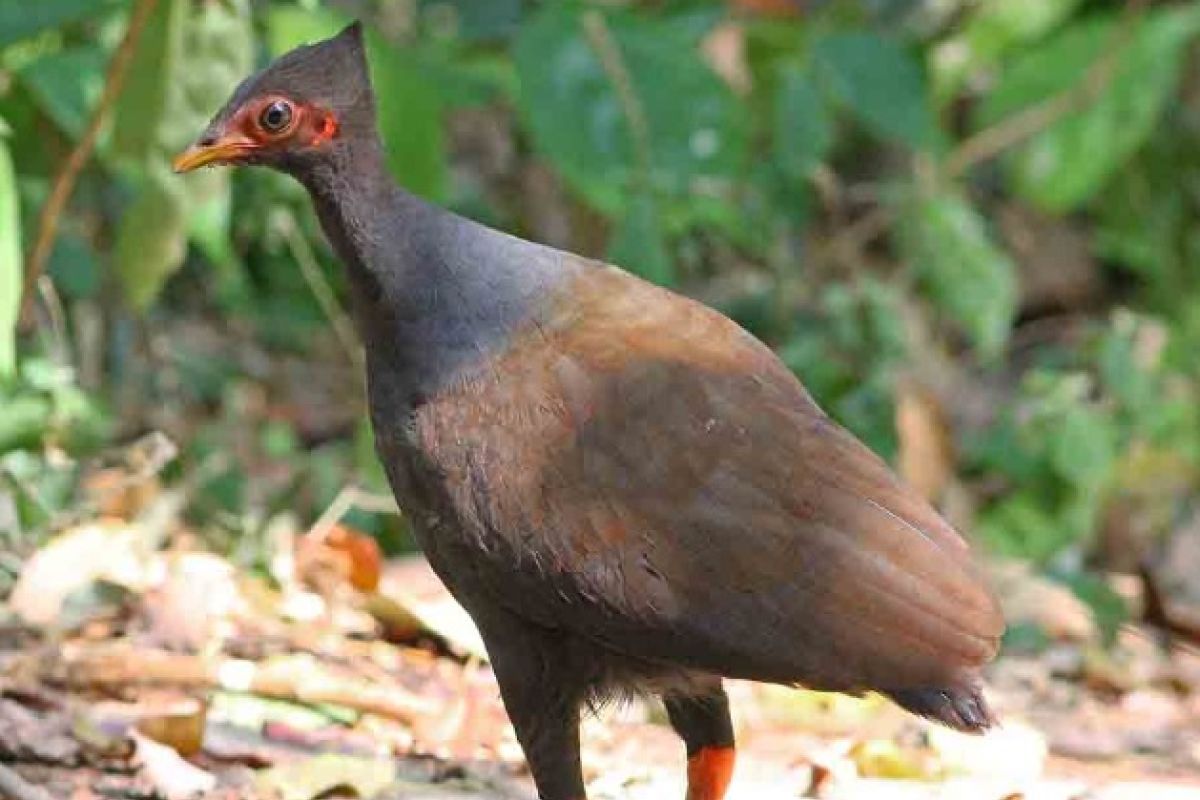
834,176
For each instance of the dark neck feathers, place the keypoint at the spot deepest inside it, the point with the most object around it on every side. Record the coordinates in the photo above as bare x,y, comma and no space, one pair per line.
434,293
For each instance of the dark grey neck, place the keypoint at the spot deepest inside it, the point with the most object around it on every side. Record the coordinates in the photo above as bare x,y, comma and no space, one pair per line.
433,293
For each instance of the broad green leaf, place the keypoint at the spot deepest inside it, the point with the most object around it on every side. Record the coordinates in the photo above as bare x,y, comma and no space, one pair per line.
408,103
966,274
73,266
1083,447
1023,525
639,243
24,421
20,19
993,29
655,100
155,69
151,242
10,262
66,85
880,82
472,20
803,127
1065,164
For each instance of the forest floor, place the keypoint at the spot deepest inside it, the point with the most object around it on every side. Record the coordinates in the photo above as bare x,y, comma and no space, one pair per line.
131,670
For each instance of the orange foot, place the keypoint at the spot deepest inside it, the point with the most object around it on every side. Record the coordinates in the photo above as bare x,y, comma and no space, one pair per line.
709,773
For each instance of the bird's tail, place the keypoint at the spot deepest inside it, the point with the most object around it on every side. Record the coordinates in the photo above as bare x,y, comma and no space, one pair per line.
962,708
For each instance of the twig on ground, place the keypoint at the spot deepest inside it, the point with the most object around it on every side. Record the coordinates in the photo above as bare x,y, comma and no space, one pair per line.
299,679
64,181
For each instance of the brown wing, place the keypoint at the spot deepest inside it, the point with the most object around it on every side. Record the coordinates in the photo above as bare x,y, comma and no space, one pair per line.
639,467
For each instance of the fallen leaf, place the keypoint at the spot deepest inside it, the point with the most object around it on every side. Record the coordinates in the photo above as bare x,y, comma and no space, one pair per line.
325,774
1013,752
1029,598
340,555
171,775
195,604
108,549
411,584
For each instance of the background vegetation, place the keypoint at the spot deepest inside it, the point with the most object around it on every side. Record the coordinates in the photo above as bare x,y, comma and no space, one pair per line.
969,225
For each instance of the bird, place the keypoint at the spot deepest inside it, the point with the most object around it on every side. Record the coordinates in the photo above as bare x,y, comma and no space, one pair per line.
628,492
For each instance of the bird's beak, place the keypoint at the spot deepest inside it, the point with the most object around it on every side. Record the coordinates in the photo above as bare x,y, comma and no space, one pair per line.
208,151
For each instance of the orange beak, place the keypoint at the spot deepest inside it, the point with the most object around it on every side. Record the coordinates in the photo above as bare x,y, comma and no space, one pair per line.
226,150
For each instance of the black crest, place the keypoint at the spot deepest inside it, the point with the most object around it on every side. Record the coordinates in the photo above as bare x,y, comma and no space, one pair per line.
331,73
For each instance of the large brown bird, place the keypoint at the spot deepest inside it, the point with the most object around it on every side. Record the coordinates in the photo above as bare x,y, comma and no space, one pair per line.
626,490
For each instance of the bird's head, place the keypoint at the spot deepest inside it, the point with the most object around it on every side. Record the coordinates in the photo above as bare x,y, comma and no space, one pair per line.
300,111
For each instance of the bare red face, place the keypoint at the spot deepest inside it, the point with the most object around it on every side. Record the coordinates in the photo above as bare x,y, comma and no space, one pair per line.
261,126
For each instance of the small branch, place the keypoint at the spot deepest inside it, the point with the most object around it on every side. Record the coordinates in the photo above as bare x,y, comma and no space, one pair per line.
299,679
609,52
64,181
1011,131
343,328
350,497
14,787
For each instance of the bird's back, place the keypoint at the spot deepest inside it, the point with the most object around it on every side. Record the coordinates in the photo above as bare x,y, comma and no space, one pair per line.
635,466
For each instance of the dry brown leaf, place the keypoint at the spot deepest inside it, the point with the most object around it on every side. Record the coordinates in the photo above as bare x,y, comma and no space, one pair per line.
926,446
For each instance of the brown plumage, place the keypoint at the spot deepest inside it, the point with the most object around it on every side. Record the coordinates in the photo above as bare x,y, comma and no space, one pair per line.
626,490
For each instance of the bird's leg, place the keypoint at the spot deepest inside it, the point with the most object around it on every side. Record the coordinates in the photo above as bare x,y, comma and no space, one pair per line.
703,722
542,695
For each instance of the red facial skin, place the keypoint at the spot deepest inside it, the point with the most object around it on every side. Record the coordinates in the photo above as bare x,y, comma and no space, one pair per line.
245,136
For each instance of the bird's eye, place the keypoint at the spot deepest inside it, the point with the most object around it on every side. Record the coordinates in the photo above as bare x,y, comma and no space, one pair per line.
276,117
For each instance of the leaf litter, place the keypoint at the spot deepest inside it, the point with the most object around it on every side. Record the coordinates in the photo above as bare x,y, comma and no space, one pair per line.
135,664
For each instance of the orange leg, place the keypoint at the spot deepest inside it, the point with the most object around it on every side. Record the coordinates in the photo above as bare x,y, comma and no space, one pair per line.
709,773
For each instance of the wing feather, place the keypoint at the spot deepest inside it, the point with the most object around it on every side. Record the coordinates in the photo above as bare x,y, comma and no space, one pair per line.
682,496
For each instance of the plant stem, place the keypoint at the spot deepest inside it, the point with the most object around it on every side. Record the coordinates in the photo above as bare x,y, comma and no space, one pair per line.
600,37
68,174
1011,131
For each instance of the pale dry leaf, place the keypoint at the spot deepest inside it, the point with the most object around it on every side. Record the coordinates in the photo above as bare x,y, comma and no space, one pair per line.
171,775
321,776
107,549
411,584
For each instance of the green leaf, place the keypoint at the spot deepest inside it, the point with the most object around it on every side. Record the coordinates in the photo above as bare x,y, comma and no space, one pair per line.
803,126
20,19
151,242
639,244
24,421
1022,525
965,273
1083,447
881,84
153,72
592,105
1065,164
475,21
994,28
66,85
10,263
408,102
